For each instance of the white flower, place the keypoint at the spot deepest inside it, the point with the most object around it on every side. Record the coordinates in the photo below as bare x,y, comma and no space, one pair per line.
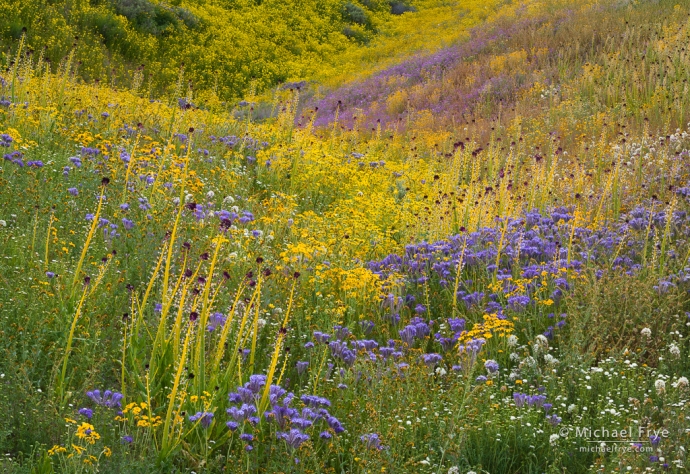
660,386
229,199
426,462
210,194
512,340
550,360
3,223
553,439
454,470
571,408
233,255
681,383
646,332
514,356
261,322
528,362
176,201
542,340
674,350
441,371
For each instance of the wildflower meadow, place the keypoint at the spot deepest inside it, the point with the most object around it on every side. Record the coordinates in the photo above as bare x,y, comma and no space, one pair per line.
366,236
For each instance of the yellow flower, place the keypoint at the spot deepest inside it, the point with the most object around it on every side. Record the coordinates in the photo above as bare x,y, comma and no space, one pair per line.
107,452
88,433
56,450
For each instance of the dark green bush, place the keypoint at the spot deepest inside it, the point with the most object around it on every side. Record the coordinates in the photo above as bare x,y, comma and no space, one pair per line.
355,14
154,19
398,8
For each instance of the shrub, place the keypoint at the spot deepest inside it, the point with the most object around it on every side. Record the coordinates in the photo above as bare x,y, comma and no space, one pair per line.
398,8
354,14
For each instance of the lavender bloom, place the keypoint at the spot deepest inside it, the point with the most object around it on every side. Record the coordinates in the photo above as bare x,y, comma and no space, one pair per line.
294,438
127,224
334,424
86,412
491,366
553,419
215,320
341,332
520,399
205,418
315,401
73,191
457,325
372,441
242,413
367,326
302,366
108,399
321,337
536,401
431,359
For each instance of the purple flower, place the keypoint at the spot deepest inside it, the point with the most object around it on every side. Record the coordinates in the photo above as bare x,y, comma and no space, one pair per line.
127,224
520,399
315,401
73,191
302,366
50,274
334,424
431,359
456,324
553,419
372,441
127,439
108,399
86,412
491,366
294,438
215,320
205,418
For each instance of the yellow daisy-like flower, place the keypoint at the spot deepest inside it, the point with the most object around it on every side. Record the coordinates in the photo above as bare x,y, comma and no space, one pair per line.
56,450
88,433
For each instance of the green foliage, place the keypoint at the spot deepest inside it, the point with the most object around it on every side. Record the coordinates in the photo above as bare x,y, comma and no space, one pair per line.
228,47
355,14
398,8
